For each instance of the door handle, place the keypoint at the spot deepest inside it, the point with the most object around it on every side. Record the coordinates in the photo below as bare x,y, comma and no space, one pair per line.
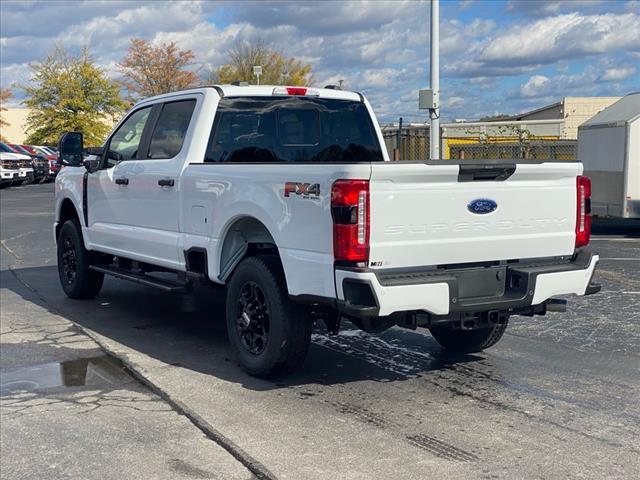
122,181
166,182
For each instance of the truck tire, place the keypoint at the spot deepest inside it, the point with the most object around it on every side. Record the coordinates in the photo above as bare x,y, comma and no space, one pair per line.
76,279
469,341
269,333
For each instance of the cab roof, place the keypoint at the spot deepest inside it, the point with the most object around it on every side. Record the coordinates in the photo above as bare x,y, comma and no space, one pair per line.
263,90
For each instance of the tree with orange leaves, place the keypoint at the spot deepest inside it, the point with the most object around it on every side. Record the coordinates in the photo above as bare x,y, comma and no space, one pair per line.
150,70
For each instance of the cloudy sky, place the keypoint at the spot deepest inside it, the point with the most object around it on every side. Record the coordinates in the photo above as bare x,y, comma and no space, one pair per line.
496,56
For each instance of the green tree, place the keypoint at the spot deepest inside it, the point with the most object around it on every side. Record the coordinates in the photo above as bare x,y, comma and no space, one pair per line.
150,70
276,69
70,93
5,96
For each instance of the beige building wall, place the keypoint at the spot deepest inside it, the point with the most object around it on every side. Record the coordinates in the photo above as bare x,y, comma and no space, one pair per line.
578,110
16,118
573,110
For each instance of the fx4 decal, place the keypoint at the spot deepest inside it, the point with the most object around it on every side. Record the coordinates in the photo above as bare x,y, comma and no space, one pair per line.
305,189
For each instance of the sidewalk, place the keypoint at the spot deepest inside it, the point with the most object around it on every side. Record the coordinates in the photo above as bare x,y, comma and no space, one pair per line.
67,410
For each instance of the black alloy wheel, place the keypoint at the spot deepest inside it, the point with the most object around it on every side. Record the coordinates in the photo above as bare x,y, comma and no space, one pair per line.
69,261
74,263
269,333
253,323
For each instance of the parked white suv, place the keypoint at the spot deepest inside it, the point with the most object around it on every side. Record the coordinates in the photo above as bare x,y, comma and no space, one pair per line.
15,163
9,171
286,196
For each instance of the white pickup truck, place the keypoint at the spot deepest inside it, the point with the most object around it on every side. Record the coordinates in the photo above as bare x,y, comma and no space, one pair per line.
15,166
286,196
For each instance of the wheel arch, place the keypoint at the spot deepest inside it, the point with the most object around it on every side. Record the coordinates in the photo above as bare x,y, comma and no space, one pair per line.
244,236
66,211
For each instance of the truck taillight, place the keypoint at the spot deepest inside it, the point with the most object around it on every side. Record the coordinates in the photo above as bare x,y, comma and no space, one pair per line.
350,213
301,91
583,211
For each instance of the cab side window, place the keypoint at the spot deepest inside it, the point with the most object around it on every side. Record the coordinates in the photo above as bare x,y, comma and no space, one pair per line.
171,128
125,141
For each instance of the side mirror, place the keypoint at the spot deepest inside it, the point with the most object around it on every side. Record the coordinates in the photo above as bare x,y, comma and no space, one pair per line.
92,164
70,149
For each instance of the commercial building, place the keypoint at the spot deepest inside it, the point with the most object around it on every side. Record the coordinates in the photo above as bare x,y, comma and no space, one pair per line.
573,111
549,132
16,118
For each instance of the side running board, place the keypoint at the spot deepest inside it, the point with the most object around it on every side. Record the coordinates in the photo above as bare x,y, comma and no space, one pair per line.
143,279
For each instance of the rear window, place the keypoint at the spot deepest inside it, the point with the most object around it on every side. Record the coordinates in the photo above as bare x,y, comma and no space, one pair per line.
292,129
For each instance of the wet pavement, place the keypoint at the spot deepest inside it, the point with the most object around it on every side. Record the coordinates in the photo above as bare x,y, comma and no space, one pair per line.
556,398
98,372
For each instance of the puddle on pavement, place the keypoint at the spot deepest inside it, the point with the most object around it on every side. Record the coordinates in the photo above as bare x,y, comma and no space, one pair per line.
102,371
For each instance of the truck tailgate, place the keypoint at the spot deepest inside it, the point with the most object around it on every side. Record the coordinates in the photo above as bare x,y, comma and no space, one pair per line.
421,214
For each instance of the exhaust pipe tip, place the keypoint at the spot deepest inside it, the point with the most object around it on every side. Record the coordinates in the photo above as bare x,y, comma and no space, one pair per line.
493,316
556,305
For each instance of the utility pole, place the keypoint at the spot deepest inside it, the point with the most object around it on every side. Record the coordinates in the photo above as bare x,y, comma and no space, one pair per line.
434,111
429,98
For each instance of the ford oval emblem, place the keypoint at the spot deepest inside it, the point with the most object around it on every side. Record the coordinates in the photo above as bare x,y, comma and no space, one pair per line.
482,206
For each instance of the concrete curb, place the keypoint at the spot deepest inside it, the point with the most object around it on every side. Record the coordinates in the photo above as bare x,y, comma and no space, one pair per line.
254,466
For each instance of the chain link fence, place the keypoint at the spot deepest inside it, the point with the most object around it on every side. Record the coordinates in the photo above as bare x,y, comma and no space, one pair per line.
559,150
407,143
412,143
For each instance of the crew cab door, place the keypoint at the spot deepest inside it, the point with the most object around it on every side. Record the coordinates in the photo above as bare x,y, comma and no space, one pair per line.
133,207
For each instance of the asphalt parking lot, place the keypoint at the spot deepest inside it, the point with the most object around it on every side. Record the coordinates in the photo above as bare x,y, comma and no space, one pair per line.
556,398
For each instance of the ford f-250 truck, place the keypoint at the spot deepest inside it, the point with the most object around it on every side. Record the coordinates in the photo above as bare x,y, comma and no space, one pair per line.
286,196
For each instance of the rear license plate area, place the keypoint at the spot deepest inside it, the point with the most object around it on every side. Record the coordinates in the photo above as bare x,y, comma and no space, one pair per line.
482,282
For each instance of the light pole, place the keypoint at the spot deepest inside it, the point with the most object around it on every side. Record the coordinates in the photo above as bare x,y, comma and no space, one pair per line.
429,98
434,111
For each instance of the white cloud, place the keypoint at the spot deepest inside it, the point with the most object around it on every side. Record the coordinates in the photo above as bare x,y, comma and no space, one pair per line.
378,47
453,101
321,18
544,8
592,80
617,74
565,36
535,86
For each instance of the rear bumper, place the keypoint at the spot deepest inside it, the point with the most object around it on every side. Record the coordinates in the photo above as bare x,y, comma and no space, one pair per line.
509,287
